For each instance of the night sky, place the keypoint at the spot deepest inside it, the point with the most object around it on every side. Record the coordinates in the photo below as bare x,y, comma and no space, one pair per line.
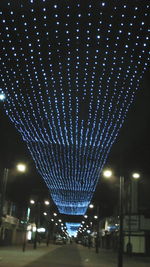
129,153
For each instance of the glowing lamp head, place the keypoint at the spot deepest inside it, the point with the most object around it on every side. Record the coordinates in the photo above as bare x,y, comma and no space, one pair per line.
136,175
107,173
46,202
32,201
21,167
91,206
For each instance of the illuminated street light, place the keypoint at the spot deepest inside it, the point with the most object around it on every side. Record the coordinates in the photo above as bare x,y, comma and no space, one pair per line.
95,217
4,186
91,206
60,220
45,213
107,173
46,202
32,201
55,214
136,175
85,216
21,167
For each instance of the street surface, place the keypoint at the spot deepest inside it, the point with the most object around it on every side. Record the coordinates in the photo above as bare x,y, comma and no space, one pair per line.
71,255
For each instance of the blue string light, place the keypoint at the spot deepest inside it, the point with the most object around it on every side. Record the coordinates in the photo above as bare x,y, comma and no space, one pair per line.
72,228
70,73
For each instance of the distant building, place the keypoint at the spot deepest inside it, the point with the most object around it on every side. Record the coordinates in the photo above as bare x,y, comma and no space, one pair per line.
136,224
11,229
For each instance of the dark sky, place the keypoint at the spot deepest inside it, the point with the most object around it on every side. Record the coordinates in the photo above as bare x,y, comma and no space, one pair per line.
133,143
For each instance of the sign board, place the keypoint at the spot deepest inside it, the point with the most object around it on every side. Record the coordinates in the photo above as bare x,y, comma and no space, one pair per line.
11,220
131,223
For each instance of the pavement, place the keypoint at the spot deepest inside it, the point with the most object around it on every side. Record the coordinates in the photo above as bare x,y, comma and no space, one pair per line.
70,255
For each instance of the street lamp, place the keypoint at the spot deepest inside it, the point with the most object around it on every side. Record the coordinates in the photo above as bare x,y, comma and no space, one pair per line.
108,174
46,202
38,204
4,186
136,177
21,167
32,202
97,241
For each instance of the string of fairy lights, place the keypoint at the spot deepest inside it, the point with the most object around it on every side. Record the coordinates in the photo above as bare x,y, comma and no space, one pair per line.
72,228
70,71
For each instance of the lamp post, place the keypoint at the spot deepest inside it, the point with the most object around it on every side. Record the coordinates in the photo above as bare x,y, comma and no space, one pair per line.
98,225
38,204
121,199
135,177
20,168
3,193
97,240
108,174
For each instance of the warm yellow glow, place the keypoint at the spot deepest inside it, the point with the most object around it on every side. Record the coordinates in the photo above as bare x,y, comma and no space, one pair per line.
136,175
46,202
107,173
21,167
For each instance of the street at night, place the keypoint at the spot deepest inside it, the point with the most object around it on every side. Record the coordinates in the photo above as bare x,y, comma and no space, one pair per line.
74,133
66,256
